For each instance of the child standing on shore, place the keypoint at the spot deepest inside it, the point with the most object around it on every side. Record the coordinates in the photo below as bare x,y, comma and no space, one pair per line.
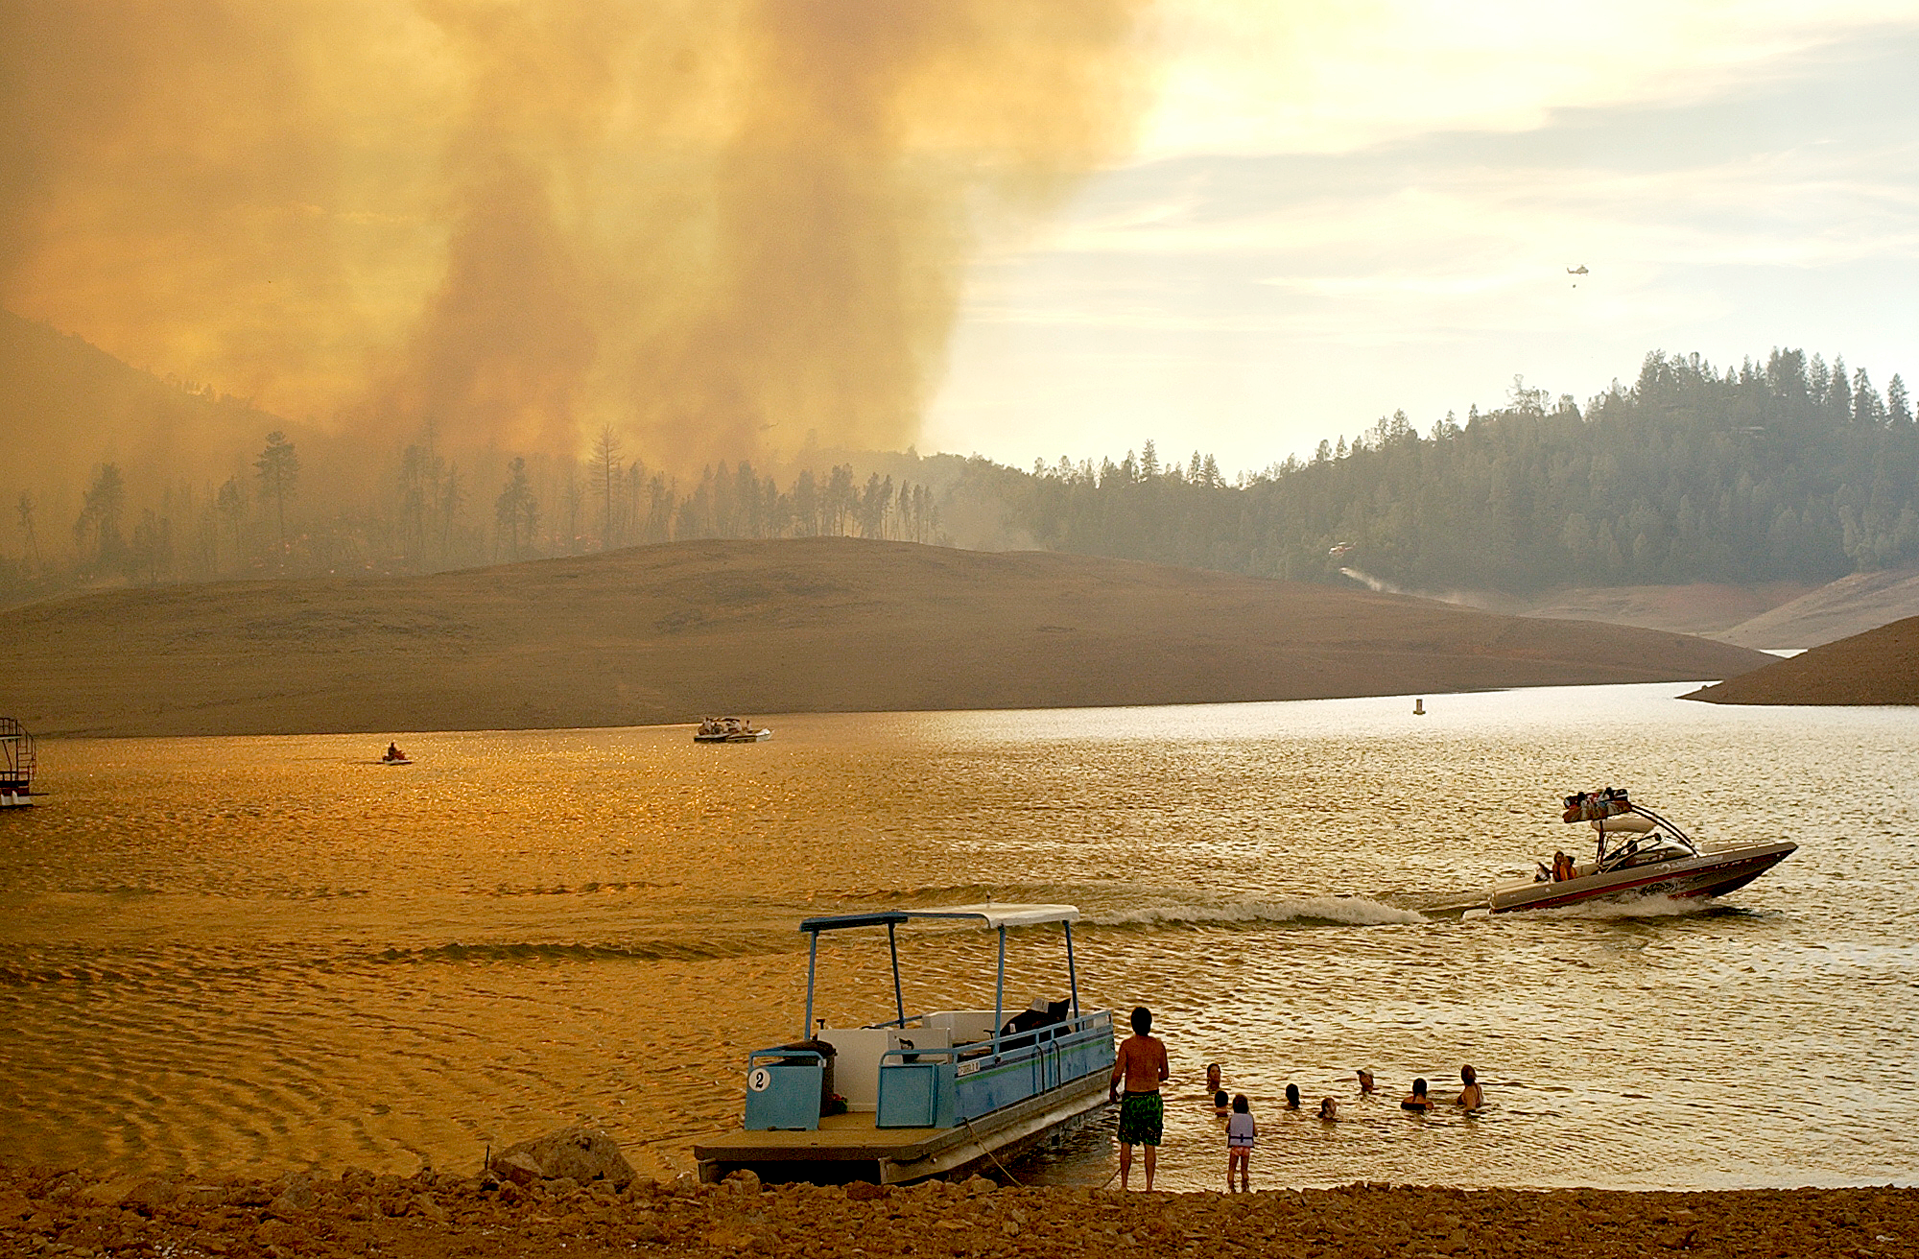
1241,1135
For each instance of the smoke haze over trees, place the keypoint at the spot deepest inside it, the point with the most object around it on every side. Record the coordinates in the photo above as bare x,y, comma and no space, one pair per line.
713,227
1791,469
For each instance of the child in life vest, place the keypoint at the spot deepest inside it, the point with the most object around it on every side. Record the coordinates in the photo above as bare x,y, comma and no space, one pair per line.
1241,1135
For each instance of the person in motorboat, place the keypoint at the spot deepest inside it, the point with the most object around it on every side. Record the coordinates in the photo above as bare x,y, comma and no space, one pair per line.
1417,1100
1562,867
1471,1096
393,753
1141,1062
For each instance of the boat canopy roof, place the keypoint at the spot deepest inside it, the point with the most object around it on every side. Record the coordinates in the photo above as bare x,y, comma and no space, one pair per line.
988,916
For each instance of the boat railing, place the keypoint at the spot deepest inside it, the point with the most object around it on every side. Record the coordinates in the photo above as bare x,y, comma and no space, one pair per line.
943,1086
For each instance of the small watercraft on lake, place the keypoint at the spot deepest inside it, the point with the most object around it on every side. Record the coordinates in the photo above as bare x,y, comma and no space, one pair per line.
17,761
729,730
1638,854
919,1095
394,756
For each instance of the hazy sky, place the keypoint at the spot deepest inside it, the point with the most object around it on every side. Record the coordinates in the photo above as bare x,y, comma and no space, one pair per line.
1335,212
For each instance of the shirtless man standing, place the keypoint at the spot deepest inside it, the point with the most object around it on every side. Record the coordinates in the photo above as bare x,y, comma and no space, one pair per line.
1142,1063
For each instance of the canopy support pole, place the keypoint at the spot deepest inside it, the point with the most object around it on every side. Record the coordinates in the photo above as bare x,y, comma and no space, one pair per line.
899,998
812,962
999,988
1072,975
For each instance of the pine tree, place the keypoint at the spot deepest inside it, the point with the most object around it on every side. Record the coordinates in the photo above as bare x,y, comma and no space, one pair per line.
279,469
1898,405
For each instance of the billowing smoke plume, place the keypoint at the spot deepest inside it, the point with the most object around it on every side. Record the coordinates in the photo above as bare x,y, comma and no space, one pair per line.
715,225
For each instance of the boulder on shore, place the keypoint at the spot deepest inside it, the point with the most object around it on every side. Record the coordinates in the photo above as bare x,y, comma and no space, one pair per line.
578,1153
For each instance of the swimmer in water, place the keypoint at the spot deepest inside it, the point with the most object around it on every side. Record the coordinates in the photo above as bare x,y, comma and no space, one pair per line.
1366,1079
1292,1097
1328,1110
1417,1101
1471,1097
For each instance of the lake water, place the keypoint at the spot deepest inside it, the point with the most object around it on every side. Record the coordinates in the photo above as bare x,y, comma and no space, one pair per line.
251,954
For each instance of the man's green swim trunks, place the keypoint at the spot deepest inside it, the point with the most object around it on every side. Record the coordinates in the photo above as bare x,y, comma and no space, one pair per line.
1140,1118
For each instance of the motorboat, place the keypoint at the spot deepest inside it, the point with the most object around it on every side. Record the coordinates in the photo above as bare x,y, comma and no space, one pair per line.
394,756
918,1095
1638,854
17,761
730,730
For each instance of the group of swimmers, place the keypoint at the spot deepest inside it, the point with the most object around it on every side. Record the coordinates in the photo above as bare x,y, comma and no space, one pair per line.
1141,1065
1242,1133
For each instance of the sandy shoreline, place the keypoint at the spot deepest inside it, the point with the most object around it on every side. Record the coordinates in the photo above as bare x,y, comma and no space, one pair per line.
72,1213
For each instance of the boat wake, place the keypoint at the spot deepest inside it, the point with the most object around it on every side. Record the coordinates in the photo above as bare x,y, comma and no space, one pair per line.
648,951
1643,907
1305,911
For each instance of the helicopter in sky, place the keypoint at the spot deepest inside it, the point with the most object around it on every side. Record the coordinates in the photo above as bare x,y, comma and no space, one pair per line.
1578,270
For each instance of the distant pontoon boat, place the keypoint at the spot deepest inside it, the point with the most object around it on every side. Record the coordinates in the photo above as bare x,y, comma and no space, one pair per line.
919,1095
729,730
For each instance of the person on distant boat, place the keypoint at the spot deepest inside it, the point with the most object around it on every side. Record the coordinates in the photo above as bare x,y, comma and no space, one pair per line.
1365,1079
1562,867
1292,1097
1328,1110
1141,1061
1417,1101
1242,1134
1471,1096
393,752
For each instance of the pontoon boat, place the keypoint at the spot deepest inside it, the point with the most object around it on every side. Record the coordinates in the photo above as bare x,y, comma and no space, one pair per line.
16,764
919,1095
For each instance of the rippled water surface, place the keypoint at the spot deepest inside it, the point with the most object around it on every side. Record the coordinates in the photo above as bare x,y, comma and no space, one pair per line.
245,954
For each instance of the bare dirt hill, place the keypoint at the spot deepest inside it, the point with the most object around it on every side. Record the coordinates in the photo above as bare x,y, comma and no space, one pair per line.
666,633
1851,605
1880,666
1697,608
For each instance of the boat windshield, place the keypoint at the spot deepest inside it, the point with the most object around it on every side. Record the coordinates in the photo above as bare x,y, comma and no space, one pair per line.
1631,850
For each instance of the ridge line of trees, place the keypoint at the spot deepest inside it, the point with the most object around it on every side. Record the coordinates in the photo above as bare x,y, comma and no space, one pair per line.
1787,469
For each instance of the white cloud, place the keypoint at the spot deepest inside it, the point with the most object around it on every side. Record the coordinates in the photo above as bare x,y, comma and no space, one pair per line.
1732,178
1250,77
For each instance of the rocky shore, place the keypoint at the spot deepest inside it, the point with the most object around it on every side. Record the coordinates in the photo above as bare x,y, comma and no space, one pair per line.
78,1215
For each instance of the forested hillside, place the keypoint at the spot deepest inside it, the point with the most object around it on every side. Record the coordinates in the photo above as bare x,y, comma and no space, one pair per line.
1787,470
